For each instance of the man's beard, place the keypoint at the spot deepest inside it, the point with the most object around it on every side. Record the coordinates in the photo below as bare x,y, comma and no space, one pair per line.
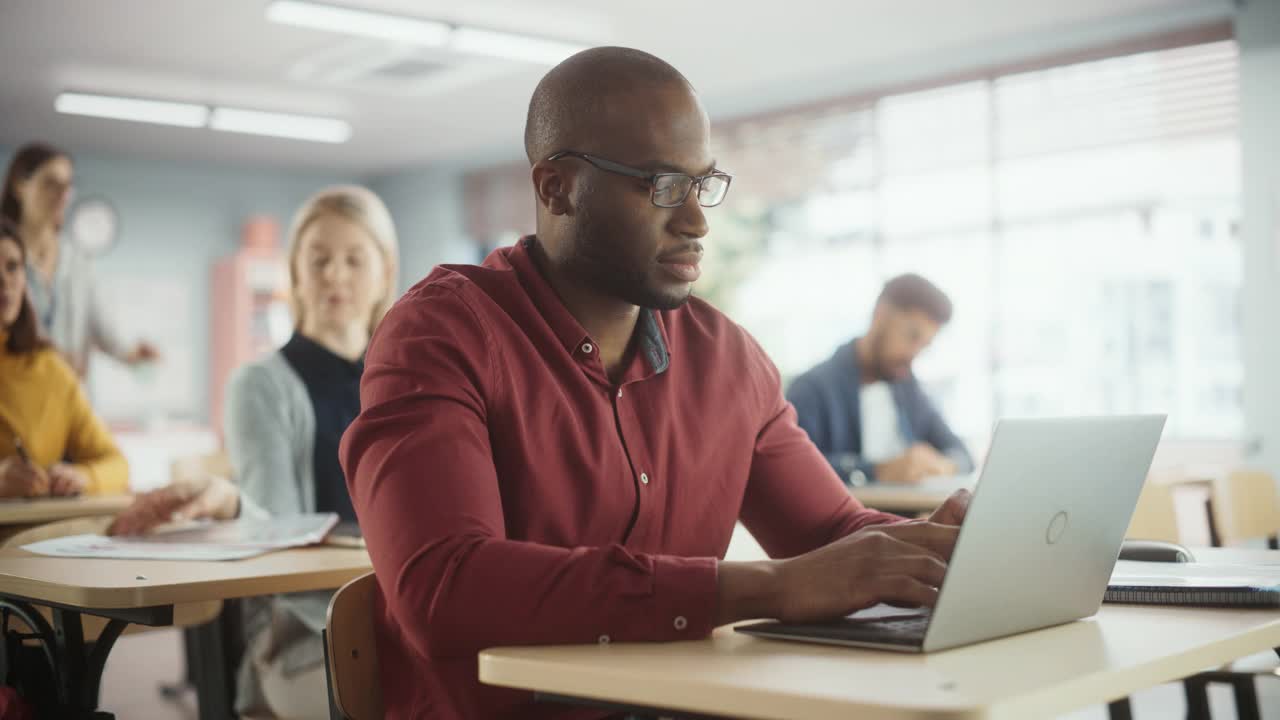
597,258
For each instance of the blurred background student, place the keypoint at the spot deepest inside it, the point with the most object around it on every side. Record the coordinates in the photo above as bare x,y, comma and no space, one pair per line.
51,443
864,408
69,310
285,417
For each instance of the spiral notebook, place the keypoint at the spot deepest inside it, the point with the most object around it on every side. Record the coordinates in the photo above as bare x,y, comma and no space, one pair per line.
1194,584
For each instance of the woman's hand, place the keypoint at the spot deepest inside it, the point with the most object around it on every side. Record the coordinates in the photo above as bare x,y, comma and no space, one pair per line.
210,497
66,480
20,478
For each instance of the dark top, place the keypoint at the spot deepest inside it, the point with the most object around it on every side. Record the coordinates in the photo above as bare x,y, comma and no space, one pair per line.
333,383
828,406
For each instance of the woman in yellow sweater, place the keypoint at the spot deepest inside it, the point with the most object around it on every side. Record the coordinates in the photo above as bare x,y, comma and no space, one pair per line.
44,415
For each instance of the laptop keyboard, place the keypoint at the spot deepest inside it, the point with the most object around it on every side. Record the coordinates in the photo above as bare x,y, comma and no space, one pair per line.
896,631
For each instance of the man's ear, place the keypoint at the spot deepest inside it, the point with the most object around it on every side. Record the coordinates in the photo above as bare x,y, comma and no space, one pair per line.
552,185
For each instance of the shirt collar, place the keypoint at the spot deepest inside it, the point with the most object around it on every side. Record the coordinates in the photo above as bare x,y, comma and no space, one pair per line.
652,337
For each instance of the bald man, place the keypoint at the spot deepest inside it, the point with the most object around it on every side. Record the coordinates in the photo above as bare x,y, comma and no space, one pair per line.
555,445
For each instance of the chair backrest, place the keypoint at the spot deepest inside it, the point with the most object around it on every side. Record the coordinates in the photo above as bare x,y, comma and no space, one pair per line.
353,653
1246,506
1155,517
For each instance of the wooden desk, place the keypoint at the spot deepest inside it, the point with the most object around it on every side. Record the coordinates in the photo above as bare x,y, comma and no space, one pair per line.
143,592
1121,650
29,512
910,499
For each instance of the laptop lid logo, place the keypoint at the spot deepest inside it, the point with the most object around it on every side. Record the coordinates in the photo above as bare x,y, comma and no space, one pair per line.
1057,526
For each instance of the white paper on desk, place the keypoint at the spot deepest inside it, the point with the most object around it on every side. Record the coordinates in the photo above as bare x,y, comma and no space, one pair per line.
1206,575
233,540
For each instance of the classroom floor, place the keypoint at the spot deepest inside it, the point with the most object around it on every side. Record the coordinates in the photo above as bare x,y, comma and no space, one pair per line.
141,663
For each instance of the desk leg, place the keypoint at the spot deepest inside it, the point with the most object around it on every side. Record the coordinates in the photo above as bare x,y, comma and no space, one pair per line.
1120,709
1196,690
174,691
213,682
74,667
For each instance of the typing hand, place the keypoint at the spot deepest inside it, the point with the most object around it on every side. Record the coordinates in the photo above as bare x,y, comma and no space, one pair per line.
209,497
20,478
952,511
66,480
900,564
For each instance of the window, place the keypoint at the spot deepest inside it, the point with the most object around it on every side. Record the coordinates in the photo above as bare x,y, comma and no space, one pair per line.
1082,218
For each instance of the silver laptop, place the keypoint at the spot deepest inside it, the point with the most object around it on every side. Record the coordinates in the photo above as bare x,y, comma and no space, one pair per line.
1037,547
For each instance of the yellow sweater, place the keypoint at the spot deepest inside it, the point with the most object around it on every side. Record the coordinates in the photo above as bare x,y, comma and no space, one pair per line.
41,401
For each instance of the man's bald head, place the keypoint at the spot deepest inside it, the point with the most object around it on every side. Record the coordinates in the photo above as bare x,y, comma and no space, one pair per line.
568,106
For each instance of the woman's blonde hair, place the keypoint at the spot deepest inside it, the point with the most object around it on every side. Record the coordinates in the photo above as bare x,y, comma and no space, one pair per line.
362,207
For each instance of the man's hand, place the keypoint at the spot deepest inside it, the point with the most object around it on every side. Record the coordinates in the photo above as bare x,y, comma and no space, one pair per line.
208,497
21,478
952,511
920,461
901,564
66,480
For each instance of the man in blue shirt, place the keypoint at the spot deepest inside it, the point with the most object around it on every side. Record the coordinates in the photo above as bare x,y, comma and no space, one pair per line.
865,409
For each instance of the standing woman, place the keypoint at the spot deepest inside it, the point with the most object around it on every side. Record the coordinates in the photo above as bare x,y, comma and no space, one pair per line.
37,189
285,416
51,443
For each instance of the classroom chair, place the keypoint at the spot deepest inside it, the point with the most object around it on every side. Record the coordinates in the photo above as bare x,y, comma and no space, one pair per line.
1245,507
1155,517
355,690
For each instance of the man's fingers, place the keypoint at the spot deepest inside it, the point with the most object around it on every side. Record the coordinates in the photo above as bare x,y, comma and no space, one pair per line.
937,539
953,510
904,591
925,568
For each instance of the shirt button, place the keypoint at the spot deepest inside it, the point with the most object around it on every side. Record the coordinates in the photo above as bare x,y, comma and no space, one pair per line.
603,640
587,348
619,392
681,623
644,478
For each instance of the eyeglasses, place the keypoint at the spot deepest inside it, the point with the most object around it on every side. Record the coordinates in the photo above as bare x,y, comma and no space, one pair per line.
666,190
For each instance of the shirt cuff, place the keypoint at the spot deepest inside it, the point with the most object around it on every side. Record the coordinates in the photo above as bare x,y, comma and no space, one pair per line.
686,591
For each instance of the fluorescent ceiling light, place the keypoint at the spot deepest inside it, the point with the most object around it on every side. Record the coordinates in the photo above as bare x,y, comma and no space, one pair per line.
350,21
161,112
420,31
512,46
285,125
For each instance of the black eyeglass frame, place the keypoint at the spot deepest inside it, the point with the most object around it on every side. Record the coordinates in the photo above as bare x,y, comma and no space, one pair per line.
653,178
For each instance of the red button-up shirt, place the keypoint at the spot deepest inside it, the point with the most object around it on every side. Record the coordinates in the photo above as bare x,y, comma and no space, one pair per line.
511,494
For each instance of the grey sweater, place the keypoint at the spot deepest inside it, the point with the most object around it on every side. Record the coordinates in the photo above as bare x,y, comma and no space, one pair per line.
70,310
269,428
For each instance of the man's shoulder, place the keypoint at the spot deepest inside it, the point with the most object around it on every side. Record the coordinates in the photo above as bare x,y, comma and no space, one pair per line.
447,289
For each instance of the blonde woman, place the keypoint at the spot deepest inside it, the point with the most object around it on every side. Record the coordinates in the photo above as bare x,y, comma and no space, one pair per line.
285,415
